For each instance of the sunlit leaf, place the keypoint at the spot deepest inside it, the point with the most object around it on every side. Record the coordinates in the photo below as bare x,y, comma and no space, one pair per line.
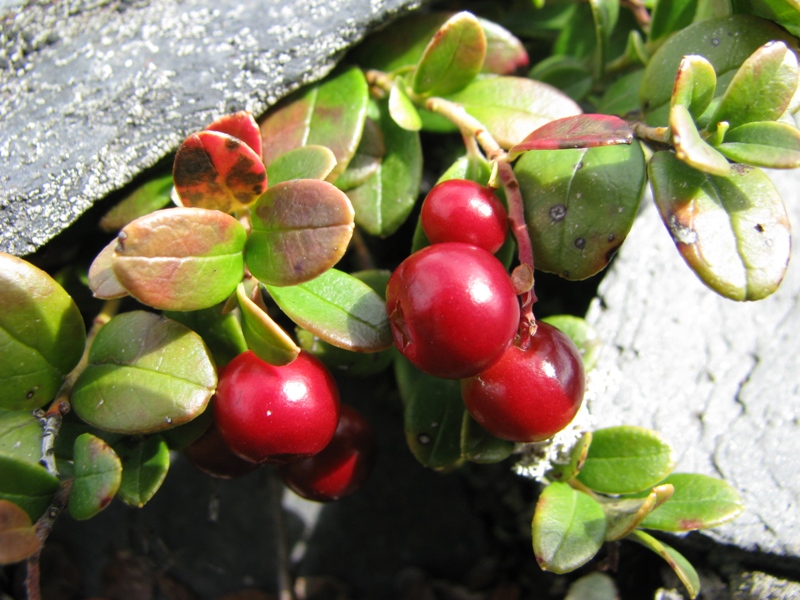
145,464
505,53
146,198
402,109
580,131
626,459
42,335
695,84
339,309
784,12
623,515
242,126
763,144
217,171
264,336
18,539
682,567
583,335
98,473
306,162
146,373
102,281
691,148
220,331
732,231
568,528
300,228
566,470
27,485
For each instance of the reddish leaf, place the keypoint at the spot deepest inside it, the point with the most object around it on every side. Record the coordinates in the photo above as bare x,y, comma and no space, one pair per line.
242,126
217,171
18,538
580,131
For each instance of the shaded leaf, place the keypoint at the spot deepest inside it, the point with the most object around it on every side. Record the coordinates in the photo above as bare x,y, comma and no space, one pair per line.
580,205
300,228
573,37
564,471
217,171
169,258
102,281
264,336
505,53
98,473
27,485
20,435
732,231
583,335
338,360
146,373
626,459
623,515
480,446
339,309
695,84
330,113
145,464
691,148
594,586
433,413
605,13
699,502
306,162
580,131
402,109
568,528
149,196
622,96
367,158
242,126
219,329
763,144
682,567
566,73
18,539
42,335
670,16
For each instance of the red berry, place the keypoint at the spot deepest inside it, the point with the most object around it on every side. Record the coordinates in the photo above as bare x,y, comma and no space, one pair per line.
211,455
529,395
452,309
459,210
276,414
341,468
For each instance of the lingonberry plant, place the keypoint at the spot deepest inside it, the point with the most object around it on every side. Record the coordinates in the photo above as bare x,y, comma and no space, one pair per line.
692,97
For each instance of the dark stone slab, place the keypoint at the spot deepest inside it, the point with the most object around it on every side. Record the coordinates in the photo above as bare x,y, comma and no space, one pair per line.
93,92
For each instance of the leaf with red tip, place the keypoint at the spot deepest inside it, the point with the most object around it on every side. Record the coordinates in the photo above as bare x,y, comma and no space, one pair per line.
217,171
18,538
580,131
98,473
242,126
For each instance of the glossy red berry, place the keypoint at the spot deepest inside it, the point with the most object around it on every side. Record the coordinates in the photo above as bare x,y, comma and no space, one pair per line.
459,210
276,414
452,309
529,394
341,468
211,455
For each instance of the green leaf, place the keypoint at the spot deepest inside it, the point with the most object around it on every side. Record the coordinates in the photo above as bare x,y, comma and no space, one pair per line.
732,231
564,471
695,84
144,467
594,586
330,113
566,73
452,58
367,158
670,16
699,502
42,335
512,107
384,201
725,42
18,539
402,109
783,12
148,197
573,37
306,162
580,205
583,335
761,89
20,435
220,331
166,259
580,131
605,14
691,148
300,229
433,414
622,96
682,567
264,336
480,446
214,170
626,459
338,360
623,515
98,474
763,144
339,309
568,528
146,373
27,485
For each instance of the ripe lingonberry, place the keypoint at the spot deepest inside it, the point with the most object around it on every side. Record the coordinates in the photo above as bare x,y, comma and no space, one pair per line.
529,394
452,309
339,469
460,210
211,455
276,414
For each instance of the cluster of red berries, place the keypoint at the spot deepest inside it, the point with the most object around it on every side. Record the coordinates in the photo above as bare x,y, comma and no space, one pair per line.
455,314
290,416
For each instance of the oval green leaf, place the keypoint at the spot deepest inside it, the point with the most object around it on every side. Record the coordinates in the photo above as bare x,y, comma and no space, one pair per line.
433,413
763,144
338,360
146,373
622,96
144,467
306,162
580,205
480,446
566,470
339,309
181,258
20,435
691,148
149,196
220,330
580,131
264,336
626,459
732,231
583,335
329,113
27,485
566,73
568,528
367,158
784,12
699,502
98,474
402,109
682,567
623,515
42,335
300,229
670,16
452,58
695,84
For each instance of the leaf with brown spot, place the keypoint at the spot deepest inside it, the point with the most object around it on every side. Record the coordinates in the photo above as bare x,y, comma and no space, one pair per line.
98,473
217,171
242,126
579,131
301,228
180,258
18,538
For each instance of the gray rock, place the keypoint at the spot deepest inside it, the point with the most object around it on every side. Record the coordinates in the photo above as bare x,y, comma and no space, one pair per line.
719,379
754,585
93,92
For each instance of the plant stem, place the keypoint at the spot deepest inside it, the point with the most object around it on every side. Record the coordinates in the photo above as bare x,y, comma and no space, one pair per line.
661,135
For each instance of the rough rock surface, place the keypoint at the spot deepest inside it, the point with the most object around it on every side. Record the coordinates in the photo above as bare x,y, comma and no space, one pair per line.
93,92
719,379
